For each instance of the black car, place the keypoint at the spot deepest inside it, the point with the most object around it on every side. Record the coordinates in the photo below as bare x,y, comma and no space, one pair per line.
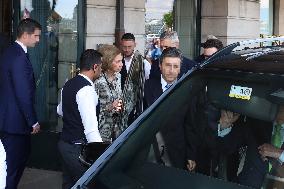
241,78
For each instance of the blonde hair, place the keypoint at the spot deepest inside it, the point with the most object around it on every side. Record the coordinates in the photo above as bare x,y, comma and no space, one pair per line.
109,52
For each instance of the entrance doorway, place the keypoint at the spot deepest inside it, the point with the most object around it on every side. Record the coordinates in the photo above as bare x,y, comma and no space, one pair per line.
5,17
54,61
5,23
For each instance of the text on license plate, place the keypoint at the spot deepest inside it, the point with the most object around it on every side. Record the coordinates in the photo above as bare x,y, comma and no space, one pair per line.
240,92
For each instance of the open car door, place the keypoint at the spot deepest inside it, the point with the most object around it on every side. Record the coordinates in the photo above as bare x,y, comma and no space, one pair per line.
128,162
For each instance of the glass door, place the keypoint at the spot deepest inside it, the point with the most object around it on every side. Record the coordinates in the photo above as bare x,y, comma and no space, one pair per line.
58,45
54,61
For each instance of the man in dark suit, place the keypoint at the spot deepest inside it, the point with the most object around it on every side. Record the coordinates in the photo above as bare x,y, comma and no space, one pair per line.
18,119
170,39
260,138
170,68
171,135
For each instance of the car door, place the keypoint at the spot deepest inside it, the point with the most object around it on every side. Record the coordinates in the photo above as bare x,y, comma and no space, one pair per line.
127,162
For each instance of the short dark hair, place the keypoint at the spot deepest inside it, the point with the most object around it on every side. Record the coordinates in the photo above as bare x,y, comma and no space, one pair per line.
128,36
171,52
89,58
27,25
172,35
210,43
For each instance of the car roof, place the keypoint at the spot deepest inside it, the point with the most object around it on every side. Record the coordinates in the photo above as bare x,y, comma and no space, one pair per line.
261,60
258,59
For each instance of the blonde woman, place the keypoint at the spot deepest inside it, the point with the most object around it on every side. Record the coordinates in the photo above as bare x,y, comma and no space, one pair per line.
108,87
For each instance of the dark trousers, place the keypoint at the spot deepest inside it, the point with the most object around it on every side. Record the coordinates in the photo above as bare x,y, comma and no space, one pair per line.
17,149
254,169
72,168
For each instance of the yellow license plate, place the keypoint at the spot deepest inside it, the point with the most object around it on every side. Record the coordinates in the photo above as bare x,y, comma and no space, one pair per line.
240,92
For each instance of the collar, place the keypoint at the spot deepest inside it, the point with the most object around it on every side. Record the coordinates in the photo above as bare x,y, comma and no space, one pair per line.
164,83
23,46
116,75
92,83
129,57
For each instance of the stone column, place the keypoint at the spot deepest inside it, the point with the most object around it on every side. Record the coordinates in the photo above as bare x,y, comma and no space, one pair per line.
101,22
134,21
119,27
230,20
185,25
278,17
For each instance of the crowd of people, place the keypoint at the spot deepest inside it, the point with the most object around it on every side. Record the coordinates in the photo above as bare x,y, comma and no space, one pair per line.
114,86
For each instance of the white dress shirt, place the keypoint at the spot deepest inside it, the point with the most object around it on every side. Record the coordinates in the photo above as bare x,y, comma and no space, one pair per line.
22,45
3,166
226,131
147,65
87,100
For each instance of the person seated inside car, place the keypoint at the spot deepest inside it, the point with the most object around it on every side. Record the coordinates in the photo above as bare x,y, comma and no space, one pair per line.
264,142
202,153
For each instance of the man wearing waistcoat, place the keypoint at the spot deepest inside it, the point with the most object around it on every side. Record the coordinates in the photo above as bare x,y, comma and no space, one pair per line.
18,118
134,72
78,108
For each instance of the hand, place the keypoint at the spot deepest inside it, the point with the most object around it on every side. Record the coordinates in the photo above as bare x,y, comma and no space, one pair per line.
117,105
268,150
191,165
36,129
228,118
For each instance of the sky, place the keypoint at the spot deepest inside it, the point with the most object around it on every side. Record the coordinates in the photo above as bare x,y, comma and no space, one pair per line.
64,7
155,9
264,3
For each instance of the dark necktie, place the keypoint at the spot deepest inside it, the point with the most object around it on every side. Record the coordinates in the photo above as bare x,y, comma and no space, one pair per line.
123,73
168,86
276,137
28,56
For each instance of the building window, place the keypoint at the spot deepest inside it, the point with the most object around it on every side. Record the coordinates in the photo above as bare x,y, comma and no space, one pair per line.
266,17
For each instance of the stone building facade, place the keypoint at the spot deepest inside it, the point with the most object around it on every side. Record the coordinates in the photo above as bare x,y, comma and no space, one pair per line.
229,20
101,21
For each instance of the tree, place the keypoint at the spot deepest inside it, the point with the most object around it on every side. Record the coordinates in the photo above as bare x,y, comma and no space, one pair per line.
168,20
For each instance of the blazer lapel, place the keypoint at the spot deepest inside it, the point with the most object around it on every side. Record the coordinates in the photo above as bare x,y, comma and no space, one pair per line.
157,90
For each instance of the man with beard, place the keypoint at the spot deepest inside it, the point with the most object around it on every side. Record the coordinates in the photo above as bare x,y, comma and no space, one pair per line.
135,70
78,108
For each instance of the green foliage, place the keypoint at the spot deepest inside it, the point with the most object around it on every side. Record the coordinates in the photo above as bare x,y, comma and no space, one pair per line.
168,19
